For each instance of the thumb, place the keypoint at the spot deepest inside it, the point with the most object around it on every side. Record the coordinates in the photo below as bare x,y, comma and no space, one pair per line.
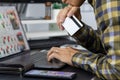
75,11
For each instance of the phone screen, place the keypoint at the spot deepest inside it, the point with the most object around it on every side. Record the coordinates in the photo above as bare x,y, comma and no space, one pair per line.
50,74
33,72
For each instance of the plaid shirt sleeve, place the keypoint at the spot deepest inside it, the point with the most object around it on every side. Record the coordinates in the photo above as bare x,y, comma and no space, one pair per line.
105,66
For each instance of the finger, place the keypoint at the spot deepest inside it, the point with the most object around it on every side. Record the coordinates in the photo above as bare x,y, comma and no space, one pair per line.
62,15
72,11
63,1
58,21
61,27
50,51
53,49
53,55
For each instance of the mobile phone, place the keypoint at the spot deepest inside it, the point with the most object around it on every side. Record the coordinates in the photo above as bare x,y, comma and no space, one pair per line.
72,25
50,74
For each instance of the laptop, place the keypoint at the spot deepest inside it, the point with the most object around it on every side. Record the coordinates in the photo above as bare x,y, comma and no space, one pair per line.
14,48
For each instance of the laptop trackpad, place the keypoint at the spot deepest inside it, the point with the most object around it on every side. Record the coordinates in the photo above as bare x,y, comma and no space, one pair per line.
40,61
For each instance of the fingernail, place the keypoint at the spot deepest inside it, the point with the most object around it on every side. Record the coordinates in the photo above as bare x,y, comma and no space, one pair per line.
69,15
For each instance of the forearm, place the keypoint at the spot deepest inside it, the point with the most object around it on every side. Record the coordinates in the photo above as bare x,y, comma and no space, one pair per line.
105,66
90,39
99,64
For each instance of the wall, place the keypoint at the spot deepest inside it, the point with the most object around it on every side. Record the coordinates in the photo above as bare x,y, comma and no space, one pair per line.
38,11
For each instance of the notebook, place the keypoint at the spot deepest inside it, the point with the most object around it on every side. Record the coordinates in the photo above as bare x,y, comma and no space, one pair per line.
14,48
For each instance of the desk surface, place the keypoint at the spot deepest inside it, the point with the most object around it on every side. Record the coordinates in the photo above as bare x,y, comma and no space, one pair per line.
81,75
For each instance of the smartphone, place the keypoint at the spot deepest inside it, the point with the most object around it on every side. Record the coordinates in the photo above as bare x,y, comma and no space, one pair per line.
50,74
72,25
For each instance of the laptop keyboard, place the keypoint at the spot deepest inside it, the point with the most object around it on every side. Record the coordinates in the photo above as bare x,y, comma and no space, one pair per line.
40,61
39,56
42,57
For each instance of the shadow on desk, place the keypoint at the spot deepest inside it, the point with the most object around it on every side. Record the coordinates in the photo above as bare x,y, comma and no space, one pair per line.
81,75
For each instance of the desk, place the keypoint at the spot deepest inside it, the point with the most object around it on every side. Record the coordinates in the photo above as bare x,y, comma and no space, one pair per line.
81,75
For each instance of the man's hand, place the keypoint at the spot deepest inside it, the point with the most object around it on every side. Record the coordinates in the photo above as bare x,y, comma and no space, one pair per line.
67,11
63,54
71,9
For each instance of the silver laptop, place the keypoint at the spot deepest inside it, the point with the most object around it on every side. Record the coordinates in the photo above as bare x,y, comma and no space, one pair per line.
14,48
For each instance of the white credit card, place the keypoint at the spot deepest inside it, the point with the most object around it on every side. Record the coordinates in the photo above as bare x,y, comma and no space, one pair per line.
72,25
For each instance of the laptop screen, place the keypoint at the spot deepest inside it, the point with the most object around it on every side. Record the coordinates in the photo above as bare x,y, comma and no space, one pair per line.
12,36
